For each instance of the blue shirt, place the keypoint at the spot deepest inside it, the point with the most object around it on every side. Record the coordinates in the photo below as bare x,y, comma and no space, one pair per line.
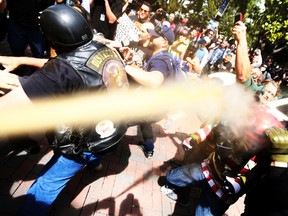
162,62
200,53
218,53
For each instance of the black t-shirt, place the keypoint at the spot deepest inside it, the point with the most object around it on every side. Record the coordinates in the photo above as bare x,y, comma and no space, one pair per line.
26,12
100,21
54,78
219,63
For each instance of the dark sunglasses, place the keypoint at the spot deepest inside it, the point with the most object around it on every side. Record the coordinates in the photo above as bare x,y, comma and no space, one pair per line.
142,10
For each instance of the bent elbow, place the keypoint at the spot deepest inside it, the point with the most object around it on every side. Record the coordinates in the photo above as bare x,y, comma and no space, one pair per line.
242,79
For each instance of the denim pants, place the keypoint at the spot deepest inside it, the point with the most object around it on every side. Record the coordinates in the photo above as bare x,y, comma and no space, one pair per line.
209,204
52,180
147,133
19,37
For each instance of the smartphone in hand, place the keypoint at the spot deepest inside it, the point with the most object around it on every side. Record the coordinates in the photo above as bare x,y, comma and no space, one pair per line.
238,17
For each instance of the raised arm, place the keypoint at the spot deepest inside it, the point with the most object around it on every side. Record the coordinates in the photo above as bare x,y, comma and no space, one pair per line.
151,79
242,64
111,16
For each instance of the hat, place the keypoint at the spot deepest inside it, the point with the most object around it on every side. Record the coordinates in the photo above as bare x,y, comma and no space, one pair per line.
163,31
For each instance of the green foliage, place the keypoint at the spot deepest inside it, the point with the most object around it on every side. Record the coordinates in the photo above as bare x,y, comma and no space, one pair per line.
272,22
276,20
173,4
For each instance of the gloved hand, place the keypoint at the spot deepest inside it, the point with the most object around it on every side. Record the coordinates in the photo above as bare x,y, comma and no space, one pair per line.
190,142
279,139
233,185
277,135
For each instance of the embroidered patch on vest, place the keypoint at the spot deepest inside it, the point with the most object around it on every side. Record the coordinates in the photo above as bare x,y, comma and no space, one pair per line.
107,63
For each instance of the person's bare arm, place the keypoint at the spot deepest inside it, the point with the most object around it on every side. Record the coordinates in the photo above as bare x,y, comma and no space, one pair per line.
16,97
91,2
110,15
125,6
151,79
197,68
112,44
148,79
176,44
182,52
10,63
8,82
242,63
195,62
3,5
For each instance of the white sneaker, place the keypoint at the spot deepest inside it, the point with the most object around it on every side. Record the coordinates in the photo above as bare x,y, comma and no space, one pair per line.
169,192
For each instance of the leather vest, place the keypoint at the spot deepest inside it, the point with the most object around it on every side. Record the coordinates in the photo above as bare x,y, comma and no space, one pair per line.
100,68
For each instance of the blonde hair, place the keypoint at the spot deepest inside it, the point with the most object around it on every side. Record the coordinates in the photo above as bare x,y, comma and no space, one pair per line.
274,83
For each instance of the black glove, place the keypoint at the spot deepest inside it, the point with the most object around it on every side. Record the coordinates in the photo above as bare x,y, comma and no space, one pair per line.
232,187
190,142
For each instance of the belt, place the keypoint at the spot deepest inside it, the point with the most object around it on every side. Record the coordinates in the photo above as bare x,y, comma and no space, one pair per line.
279,164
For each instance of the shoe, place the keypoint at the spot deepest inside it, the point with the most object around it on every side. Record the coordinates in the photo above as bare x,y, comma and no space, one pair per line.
148,154
98,168
169,192
25,143
162,181
33,149
183,201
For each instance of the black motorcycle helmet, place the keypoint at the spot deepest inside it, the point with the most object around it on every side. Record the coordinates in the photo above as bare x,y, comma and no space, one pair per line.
64,27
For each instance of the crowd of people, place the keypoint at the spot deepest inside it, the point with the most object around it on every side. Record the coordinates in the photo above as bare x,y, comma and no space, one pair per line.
75,45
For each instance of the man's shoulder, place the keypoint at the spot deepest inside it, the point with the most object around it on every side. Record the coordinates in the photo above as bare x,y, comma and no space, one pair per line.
159,57
249,83
57,65
164,57
162,54
205,50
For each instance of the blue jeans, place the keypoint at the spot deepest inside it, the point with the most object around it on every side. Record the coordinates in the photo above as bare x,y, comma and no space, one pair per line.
19,37
147,133
52,180
209,204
